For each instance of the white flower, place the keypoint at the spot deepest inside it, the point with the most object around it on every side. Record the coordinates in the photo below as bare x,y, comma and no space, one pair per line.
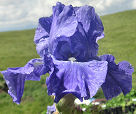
134,99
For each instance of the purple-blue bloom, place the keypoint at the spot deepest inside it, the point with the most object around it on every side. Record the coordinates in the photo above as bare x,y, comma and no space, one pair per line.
67,44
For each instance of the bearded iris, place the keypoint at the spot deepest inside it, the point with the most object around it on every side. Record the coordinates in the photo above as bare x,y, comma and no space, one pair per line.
67,44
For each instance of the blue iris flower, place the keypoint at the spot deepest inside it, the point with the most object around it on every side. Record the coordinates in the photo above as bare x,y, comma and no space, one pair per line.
67,44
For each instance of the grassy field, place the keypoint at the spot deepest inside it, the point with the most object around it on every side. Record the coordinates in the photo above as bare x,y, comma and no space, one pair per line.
17,48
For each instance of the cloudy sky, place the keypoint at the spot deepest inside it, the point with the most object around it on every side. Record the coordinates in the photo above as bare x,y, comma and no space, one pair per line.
24,14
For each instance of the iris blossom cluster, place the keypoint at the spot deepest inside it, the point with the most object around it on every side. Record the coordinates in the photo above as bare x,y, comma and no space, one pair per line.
67,44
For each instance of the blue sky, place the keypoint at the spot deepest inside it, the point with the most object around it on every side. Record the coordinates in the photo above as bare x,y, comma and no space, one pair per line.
24,14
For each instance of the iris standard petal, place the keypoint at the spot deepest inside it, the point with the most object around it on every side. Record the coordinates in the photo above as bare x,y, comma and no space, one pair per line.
15,77
74,33
91,22
58,8
42,35
43,29
42,47
64,21
81,79
118,79
64,24
85,15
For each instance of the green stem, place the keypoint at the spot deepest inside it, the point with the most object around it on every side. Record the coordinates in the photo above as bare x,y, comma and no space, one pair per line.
66,105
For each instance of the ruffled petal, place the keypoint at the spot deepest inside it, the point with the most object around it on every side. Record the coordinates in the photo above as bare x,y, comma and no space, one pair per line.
91,22
110,88
80,79
58,9
38,69
42,35
42,47
74,33
43,29
63,25
118,79
64,21
15,77
85,15
15,84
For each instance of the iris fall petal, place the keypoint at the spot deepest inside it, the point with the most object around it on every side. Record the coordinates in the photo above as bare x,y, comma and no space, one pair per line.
81,79
118,79
15,77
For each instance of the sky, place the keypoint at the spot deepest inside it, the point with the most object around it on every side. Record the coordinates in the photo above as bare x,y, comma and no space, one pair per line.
24,14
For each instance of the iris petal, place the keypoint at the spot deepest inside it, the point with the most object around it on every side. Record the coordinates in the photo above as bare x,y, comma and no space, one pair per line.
85,15
15,77
118,79
64,24
81,79
42,47
15,84
74,33
43,28
64,21
42,35
69,32
91,22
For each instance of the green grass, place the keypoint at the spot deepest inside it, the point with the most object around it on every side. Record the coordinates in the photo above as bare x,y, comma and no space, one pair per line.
17,48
